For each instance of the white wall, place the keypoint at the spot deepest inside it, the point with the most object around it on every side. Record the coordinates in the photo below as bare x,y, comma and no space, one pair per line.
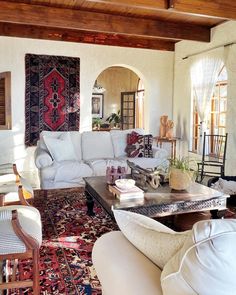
154,67
222,34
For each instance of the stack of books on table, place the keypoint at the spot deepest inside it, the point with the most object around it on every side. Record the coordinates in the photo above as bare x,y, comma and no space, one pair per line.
132,193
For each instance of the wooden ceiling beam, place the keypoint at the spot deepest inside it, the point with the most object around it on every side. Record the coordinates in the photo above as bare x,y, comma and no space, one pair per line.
73,19
36,32
211,8
225,9
144,4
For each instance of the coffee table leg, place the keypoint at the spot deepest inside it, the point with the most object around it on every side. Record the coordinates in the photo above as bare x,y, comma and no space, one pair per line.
90,204
218,214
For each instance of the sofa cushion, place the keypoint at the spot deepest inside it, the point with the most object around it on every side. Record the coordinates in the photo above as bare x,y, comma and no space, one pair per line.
96,145
53,134
160,242
139,145
61,149
72,170
99,166
207,258
119,140
75,139
122,269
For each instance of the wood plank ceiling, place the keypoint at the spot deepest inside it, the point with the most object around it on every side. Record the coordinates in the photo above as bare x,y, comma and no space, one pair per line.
153,24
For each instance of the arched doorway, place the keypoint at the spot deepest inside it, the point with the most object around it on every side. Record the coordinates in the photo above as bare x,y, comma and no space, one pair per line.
117,100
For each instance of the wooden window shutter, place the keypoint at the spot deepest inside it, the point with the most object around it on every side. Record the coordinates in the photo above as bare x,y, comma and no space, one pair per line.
5,100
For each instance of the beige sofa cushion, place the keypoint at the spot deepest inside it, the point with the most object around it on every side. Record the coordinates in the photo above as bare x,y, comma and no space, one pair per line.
206,264
155,240
96,145
122,269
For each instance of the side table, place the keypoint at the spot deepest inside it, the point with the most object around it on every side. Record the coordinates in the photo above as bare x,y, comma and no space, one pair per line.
172,141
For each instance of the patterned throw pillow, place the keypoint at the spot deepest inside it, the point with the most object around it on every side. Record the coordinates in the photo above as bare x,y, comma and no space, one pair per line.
139,145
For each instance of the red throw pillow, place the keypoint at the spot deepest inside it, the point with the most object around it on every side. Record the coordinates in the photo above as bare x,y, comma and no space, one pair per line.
139,145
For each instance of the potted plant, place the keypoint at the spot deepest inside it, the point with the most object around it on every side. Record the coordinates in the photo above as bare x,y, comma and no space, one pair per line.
182,172
96,122
114,118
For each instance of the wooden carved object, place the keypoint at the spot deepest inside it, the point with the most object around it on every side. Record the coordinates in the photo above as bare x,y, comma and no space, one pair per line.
143,177
163,125
169,129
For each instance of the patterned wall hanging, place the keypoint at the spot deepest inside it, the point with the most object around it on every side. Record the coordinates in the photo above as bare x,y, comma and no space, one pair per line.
52,100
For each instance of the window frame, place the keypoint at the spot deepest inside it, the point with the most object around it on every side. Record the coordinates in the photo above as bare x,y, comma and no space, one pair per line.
7,96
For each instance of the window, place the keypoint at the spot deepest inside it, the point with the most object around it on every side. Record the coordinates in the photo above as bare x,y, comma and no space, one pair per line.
5,100
216,120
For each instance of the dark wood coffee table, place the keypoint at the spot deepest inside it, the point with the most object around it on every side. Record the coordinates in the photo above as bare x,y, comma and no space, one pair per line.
156,203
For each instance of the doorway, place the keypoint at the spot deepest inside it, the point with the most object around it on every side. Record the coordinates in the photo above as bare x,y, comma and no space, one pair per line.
128,110
119,84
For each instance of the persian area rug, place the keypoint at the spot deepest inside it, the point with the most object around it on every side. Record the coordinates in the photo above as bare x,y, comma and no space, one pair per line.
68,237
51,95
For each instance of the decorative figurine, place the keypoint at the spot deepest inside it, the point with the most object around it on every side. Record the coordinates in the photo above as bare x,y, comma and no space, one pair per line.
163,125
169,129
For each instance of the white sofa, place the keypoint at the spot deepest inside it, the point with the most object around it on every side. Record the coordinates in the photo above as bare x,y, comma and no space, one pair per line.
144,258
64,158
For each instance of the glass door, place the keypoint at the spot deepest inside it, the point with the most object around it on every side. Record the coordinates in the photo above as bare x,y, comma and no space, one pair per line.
128,110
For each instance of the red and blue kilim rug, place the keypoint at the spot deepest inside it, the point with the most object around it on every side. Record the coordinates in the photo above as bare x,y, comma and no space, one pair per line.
52,83
68,237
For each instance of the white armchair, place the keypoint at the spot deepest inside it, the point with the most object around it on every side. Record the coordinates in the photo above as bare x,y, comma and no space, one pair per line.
146,257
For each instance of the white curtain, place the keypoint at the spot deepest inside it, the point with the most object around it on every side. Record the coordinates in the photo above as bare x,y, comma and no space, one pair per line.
204,72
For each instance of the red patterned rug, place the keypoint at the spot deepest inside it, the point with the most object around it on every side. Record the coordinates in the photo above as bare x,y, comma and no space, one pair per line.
68,237
52,89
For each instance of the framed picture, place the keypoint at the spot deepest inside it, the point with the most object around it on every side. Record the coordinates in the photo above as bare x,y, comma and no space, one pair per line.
97,105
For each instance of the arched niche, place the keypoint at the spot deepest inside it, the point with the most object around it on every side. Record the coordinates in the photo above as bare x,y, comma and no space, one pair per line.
115,91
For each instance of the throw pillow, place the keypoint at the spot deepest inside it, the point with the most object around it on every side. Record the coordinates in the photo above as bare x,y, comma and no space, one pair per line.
139,145
206,264
155,240
61,149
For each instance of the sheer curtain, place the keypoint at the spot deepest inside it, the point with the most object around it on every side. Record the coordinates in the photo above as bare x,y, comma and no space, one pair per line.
204,72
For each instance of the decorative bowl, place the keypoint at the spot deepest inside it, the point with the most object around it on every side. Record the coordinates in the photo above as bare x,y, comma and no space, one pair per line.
125,184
